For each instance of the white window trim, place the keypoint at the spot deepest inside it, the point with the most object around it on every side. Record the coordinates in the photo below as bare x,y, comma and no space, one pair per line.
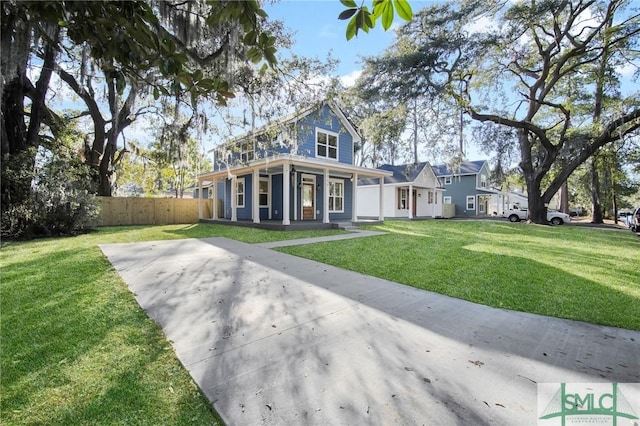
483,181
447,180
403,191
473,202
245,152
307,179
328,133
238,193
265,179
341,183
446,200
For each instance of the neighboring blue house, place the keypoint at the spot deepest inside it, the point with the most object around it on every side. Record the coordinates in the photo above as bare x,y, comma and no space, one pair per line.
467,187
299,168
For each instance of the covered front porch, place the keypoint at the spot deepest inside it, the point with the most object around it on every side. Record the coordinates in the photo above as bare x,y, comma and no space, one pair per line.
296,225
284,192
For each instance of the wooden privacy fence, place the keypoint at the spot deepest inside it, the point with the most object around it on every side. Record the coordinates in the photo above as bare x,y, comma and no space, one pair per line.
149,211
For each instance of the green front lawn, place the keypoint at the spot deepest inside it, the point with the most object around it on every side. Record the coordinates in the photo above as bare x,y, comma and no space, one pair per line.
75,346
77,349
571,272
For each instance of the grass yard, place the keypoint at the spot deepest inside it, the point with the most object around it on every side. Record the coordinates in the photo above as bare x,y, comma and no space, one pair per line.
75,346
77,349
573,272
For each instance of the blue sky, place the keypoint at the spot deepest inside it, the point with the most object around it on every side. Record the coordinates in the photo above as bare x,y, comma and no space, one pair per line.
318,31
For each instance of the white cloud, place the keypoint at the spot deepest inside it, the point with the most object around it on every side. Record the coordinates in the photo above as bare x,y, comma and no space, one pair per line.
350,79
328,31
628,70
483,24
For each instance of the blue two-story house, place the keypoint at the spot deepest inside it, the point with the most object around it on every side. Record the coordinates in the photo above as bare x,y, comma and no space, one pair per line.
299,168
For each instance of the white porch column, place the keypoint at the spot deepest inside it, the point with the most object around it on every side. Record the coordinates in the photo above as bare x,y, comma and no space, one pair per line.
381,199
325,196
255,195
286,184
410,201
435,203
200,199
234,198
354,198
214,199
295,196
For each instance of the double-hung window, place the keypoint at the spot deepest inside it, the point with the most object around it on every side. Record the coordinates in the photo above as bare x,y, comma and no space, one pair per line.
471,202
240,192
326,144
264,192
246,152
447,180
336,196
403,198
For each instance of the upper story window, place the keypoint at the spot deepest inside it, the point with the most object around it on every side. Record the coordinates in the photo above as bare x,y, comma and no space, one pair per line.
447,180
326,144
246,151
483,181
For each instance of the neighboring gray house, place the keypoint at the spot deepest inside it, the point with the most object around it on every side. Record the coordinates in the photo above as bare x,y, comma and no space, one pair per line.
467,187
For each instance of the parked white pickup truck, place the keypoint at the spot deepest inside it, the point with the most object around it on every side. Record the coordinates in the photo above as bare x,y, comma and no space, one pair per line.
517,213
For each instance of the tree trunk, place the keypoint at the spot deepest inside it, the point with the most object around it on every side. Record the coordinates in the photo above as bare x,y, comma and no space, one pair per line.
564,198
537,208
415,131
16,160
19,140
596,216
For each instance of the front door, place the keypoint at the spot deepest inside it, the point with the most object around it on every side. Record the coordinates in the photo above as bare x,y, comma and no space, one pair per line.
307,202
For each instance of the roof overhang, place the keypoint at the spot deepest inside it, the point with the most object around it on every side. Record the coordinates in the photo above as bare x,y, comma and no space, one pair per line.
280,163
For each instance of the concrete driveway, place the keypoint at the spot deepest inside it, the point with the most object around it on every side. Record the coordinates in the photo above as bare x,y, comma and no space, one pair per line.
275,339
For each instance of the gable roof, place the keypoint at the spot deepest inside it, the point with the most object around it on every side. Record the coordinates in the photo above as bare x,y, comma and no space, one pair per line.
466,168
295,116
401,174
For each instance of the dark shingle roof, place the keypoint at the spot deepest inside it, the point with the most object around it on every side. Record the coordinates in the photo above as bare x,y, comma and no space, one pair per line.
466,168
401,174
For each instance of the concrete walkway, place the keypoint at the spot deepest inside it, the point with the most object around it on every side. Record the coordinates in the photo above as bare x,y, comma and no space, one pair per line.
278,340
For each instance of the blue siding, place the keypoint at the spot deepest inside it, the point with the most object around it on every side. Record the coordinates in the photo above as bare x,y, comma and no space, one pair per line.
348,191
276,197
242,212
324,119
460,187
305,132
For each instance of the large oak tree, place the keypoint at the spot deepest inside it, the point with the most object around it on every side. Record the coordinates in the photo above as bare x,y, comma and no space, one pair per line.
514,65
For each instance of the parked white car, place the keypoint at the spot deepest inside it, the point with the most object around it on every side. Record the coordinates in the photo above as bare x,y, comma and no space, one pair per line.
553,216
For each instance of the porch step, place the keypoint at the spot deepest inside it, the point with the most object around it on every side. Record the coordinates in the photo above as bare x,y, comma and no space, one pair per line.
347,226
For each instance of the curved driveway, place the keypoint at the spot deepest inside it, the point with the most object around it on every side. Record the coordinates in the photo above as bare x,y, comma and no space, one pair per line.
275,339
